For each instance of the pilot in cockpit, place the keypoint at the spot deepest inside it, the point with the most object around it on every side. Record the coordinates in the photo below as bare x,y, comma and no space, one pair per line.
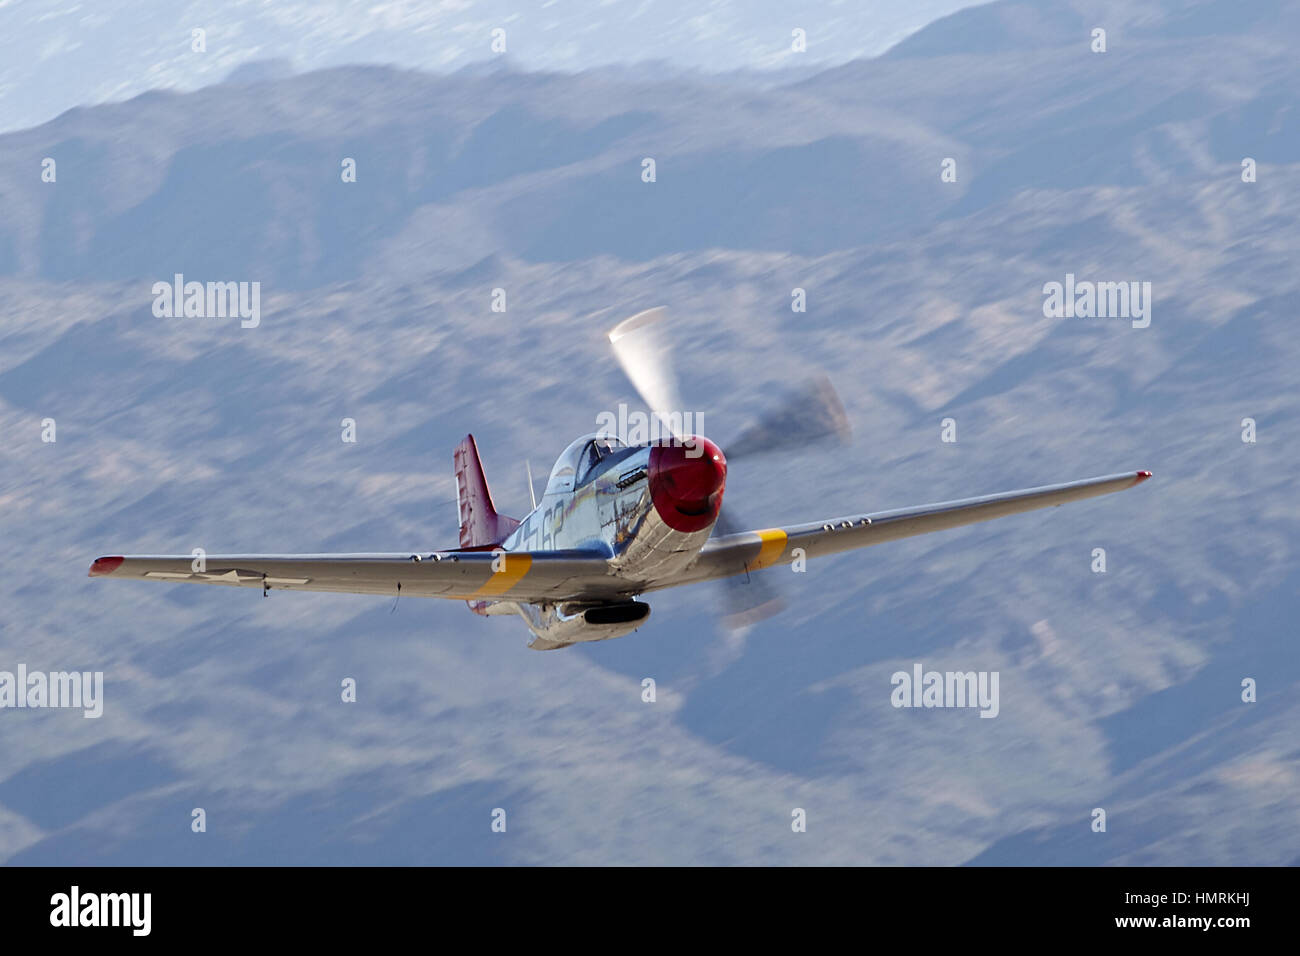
596,451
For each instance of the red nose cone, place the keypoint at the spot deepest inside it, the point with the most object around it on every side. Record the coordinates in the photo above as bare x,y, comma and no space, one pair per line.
686,482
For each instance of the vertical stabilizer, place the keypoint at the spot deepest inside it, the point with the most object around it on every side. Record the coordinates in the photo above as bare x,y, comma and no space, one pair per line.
480,525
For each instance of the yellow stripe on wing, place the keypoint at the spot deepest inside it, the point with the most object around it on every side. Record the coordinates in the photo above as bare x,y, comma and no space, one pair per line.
773,546
512,570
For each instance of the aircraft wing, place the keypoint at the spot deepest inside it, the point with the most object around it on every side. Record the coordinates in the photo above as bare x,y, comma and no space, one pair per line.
541,576
466,575
741,553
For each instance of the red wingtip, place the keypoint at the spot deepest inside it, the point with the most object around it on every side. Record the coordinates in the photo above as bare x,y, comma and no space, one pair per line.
1143,476
104,566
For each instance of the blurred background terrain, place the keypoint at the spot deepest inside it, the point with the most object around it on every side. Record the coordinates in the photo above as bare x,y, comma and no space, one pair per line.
924,301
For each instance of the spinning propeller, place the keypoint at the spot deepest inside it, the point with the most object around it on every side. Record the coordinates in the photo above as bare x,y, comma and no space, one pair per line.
806,415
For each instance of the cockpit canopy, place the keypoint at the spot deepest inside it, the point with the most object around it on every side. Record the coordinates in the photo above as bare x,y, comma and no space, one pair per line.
576,461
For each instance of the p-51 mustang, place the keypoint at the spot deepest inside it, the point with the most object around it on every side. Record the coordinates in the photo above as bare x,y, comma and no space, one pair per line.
616,521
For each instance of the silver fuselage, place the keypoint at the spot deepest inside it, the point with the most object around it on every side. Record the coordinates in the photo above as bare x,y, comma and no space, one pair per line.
608,508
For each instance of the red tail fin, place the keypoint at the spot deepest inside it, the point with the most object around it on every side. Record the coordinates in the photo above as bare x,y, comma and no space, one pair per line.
480,525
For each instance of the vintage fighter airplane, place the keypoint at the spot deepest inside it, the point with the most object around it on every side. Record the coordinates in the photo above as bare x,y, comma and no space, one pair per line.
616,521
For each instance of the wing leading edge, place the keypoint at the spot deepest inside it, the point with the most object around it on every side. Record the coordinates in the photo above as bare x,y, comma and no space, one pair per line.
741,553
552,576
470,576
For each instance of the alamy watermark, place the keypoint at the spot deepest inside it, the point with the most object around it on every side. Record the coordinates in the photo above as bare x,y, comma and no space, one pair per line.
922,688
37,689
208,300
129,910
640,428
1098,300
